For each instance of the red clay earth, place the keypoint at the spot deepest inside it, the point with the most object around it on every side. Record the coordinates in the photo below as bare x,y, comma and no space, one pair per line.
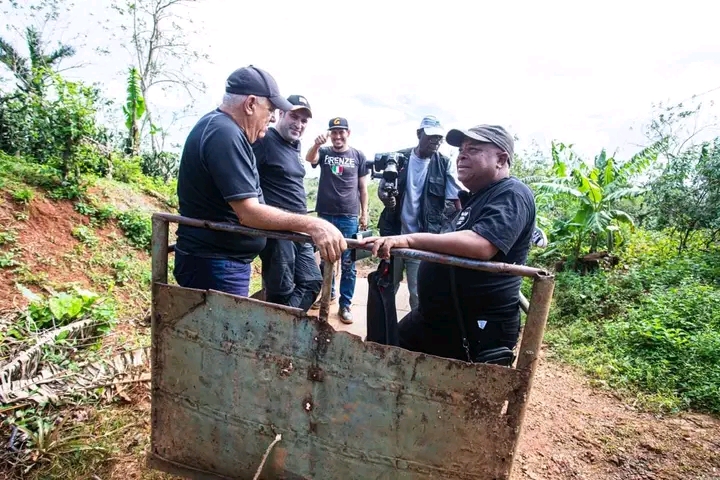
43,239
46,246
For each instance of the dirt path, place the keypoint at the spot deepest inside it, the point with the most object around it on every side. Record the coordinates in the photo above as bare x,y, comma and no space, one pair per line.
573,431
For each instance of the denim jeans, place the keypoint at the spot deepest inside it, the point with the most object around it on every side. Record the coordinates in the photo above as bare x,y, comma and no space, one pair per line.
411,272
348,226
290,273
224,275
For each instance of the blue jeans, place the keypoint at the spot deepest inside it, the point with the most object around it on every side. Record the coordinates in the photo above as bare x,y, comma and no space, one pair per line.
224,275
411,272
348,226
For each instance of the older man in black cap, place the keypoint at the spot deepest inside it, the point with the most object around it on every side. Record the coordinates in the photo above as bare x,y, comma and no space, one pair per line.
468,314
291,276
218,181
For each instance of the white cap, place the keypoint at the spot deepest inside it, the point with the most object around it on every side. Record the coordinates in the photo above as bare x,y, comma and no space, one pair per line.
431,126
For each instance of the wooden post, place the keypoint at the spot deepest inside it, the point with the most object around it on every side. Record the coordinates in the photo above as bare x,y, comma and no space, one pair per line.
326,291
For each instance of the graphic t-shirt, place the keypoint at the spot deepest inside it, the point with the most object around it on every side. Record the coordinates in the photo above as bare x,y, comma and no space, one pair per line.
338,190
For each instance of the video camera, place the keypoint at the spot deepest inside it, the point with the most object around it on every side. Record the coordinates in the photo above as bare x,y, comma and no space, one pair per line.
385,166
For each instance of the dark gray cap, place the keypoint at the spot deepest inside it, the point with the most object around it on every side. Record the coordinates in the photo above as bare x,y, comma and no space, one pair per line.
251,80
494,134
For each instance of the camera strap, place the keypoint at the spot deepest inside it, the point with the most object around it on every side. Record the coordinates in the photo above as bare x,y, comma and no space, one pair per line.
459,315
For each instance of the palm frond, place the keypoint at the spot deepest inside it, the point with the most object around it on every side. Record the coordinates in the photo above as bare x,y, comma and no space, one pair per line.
556,188
53,384
637,164
624,193
25,364
64,51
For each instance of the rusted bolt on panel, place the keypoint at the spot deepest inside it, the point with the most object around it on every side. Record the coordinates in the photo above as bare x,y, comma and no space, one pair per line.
316,374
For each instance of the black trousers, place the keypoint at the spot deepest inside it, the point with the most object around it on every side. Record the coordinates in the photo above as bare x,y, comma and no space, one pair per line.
291,276
442,337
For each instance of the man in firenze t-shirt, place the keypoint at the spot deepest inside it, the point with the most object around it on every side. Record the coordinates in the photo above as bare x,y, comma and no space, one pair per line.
342,195
218,181
496,223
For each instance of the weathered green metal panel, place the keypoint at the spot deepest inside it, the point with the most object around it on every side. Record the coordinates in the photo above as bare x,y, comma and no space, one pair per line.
229,373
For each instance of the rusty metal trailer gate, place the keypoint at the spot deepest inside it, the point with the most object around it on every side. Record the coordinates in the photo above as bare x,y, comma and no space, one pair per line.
229,374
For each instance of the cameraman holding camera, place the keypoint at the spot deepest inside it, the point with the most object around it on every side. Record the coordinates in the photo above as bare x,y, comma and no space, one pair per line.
426,183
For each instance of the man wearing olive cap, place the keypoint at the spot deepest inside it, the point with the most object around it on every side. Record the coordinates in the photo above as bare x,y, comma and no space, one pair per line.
218,181
496,223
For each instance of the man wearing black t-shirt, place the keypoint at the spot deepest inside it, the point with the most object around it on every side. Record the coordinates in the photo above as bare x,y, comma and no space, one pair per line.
496,223
291,275
218,181
342,194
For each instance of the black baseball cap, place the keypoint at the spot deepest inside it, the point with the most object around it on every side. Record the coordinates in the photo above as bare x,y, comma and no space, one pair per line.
299,103
251,80
338,123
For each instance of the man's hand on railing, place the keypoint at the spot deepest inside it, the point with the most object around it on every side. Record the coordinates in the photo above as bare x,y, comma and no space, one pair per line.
328,239
381,245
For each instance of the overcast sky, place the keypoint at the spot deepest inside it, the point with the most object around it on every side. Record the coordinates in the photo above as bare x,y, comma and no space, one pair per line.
579,72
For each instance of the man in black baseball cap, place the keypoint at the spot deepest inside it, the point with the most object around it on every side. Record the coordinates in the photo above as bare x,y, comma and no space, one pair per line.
299,103
291,276
338,123
496,223
342,197
218,181
498,136
251,80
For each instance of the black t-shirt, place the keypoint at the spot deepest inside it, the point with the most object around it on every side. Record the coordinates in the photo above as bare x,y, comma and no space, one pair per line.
217,166
339,188
504,214
282,172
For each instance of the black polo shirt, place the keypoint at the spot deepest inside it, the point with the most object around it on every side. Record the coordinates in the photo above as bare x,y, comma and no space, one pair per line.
217,167
282,172
504,214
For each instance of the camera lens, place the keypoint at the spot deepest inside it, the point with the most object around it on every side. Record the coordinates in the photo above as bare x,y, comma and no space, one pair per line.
390,173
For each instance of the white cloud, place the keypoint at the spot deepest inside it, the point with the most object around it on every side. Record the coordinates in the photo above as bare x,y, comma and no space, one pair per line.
577,72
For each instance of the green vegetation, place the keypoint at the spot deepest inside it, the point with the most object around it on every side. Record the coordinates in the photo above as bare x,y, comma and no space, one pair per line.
642,315
650,328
